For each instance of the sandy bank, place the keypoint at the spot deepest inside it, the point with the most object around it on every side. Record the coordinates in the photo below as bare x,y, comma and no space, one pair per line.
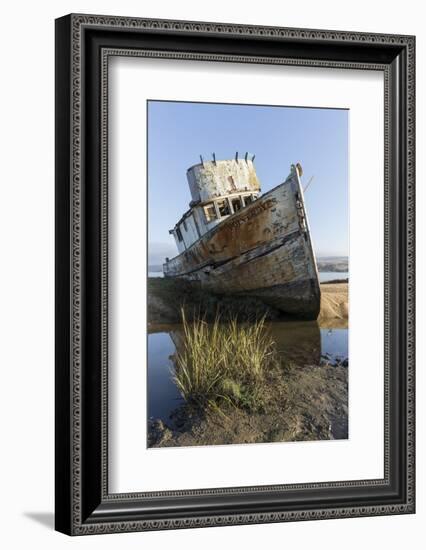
334,304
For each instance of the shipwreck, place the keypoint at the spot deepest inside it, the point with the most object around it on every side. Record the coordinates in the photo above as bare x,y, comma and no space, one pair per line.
235,240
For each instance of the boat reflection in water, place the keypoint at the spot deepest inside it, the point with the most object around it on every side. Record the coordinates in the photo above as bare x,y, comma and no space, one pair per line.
303,344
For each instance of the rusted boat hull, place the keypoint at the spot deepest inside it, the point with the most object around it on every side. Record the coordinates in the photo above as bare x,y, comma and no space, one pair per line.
264,250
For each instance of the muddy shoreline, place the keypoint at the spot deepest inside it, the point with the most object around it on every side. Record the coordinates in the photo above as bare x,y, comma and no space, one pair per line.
304,399
303,404
304,394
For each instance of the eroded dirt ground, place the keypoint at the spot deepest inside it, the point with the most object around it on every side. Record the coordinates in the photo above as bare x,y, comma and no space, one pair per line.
301,404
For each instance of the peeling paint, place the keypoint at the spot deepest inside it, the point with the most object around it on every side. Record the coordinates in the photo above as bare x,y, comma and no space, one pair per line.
264,249
216,179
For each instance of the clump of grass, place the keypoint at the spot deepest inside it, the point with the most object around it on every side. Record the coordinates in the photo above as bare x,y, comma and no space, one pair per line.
223,362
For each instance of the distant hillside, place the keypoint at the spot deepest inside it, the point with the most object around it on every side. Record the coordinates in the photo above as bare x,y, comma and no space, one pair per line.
338,264
155,268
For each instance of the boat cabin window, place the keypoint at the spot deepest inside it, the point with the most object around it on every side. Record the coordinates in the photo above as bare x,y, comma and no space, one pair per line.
210,212
248,199
223,207
179,234
184,225
236,204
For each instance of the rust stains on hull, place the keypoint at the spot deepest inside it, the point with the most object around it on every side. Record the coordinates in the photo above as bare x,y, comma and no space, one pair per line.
263,250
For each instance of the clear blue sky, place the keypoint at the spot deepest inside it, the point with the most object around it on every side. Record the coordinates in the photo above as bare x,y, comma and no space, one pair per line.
178,132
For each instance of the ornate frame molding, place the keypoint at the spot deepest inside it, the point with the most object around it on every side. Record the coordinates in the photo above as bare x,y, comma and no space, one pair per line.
72,46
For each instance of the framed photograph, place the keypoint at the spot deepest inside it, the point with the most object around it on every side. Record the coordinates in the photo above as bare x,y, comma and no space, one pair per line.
234,274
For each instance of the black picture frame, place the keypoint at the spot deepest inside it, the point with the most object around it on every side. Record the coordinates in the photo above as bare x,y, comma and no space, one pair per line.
83,45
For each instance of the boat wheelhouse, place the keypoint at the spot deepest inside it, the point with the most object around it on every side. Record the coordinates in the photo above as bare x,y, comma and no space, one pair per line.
219,188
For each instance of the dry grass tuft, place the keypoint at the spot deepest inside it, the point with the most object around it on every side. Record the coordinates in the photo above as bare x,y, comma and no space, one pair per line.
223,362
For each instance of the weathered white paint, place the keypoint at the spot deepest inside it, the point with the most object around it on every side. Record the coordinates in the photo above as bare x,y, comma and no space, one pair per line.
212,179
210,183
264,250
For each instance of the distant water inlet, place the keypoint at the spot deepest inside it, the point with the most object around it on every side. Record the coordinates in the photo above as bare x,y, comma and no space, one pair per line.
315,364
327,276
